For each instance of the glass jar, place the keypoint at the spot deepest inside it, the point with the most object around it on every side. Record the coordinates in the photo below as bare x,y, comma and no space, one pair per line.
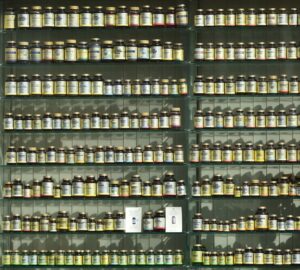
169,185
181,15
9,19
98,17
48,17
70,51
85,17
134,17
156,50
146,16
61,18
143,50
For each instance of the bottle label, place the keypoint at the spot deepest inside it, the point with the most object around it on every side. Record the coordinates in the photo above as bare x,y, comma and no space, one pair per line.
48,19
119,53
90,189
70,54
36,20
8,123
103,188
61,20
9,21
199,20
135,189
131,53
181,17
146,19
156,53
98,19
47,188
58,54
148,224
197,224
159,223
86,19
85,88
261,19
261,222
169,188
197,256
122,19
23,20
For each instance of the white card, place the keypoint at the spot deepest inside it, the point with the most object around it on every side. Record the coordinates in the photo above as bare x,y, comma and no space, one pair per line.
133,219
173,219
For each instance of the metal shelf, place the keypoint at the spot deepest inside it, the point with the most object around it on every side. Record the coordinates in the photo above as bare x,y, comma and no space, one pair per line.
223,197
104,63
202,164
97,30
86,199
199,130
242,232
92,131
91,233
294,266
92,266
46,165
90,97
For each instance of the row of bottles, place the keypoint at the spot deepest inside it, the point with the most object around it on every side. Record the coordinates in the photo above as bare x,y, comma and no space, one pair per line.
218,185
103,186
94,155
94,51
86,84
245,152
103,257
76,121
74,16
245,256
260,221
248,118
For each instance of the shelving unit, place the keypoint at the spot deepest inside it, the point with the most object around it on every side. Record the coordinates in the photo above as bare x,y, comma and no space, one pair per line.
226,207
216,206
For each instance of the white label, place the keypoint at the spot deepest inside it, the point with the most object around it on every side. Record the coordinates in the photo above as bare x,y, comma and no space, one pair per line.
209,20
107,54
47,188
199,20
23,20
85,19
293,19
70,54
110,19
85,88
58,54
11,88
61,20
36,20
122,19
48,19
220,20
146,19
282,19
35,87
143,53
23,54
261,19
98,19
23,88
156,53
119,52
199,53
